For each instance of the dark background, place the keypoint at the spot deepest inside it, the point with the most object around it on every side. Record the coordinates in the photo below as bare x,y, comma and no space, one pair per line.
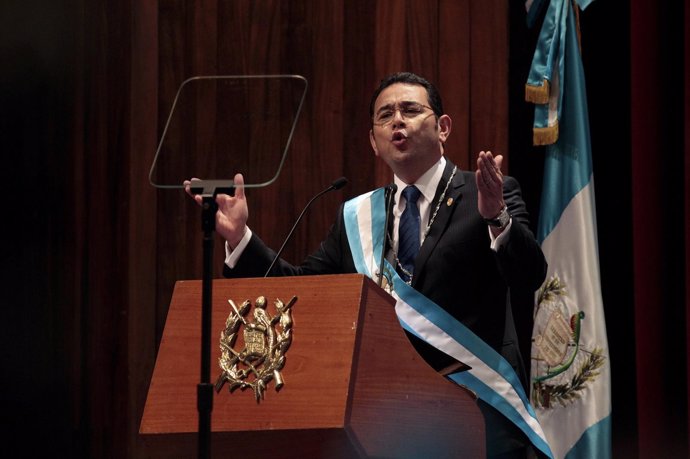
90,250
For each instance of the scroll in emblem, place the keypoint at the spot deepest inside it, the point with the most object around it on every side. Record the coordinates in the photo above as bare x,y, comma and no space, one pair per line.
266,340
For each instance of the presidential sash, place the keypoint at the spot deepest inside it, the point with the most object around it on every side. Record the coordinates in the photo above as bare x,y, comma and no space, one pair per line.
490,376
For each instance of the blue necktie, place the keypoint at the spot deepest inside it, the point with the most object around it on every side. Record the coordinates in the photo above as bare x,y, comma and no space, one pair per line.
408,231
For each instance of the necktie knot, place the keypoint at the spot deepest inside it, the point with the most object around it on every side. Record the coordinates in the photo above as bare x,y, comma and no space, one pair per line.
411,194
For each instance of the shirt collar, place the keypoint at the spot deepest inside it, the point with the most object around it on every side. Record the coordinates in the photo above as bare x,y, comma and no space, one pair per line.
427,183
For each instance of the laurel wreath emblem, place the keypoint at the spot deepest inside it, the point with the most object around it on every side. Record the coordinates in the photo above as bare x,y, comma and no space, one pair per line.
266,340
545,395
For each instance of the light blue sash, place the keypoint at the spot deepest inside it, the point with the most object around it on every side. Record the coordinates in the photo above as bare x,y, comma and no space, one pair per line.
491,377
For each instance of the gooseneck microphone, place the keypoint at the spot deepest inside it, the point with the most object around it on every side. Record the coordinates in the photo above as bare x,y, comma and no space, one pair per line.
389,194
336,185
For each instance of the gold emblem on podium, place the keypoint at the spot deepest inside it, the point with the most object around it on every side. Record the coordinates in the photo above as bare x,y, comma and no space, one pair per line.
266,341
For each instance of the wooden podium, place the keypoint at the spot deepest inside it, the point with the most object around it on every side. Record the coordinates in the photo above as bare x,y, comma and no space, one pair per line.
354,385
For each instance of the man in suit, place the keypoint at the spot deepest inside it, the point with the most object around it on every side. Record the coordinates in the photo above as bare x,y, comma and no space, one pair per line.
472,251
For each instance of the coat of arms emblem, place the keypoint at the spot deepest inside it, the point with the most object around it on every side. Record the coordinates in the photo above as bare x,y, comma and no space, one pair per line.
562,367
266,339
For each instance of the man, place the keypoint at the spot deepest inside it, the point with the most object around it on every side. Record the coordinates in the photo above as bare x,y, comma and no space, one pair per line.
470,251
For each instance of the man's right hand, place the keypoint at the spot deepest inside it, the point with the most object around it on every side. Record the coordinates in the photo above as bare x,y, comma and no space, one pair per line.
232,215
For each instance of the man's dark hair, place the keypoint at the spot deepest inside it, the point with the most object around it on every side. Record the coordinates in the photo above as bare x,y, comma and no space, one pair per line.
409,78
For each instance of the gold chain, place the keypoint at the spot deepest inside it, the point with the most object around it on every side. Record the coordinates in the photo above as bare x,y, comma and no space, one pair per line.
426,231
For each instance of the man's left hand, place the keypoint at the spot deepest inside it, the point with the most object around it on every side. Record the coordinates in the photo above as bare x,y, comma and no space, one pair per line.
490,184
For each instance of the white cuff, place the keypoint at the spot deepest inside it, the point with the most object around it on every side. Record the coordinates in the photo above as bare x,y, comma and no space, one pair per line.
500,240
231,256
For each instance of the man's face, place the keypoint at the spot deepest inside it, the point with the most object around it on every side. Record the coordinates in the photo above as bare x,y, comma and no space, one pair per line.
405,132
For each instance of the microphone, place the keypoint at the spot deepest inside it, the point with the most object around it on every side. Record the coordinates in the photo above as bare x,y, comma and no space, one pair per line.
336,185
389,193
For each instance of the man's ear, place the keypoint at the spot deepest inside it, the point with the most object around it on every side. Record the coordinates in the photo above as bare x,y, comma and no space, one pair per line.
444,127
373,142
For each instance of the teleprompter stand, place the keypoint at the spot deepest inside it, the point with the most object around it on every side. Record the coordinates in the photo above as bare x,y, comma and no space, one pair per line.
207,190
178,156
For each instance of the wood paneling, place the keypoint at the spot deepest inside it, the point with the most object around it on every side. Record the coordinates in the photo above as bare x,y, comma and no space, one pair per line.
87,112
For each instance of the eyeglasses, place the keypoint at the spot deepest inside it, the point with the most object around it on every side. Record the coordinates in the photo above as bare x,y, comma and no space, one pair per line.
408,110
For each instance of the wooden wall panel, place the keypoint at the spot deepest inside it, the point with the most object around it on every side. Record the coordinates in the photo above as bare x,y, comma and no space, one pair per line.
359,79
489,79
141,337
454,75
105,249
104,302
390,55
317,158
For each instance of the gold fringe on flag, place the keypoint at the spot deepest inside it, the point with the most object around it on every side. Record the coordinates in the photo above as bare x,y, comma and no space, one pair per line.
538,94
545,136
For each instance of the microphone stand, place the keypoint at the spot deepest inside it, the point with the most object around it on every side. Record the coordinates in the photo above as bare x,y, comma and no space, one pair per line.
391,189
336,185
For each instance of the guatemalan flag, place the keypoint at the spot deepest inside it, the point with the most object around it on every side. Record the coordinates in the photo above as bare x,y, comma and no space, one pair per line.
570,386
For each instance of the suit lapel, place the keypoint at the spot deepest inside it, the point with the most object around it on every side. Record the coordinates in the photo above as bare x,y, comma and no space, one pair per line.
445,211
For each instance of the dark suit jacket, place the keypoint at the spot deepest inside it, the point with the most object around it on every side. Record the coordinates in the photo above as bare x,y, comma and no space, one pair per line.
455,267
